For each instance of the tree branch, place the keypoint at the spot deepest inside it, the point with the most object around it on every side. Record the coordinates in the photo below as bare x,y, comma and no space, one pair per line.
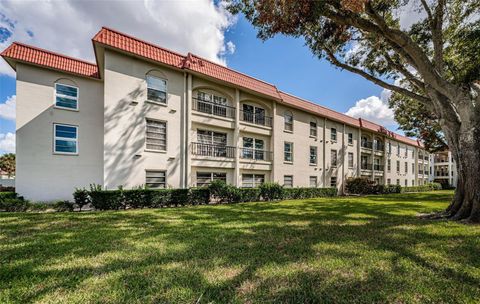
405,72
437,36
422,99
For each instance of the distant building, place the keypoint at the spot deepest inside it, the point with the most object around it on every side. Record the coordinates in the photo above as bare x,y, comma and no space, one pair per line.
443,169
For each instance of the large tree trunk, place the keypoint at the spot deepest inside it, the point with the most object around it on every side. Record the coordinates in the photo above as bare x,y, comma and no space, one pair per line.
464,143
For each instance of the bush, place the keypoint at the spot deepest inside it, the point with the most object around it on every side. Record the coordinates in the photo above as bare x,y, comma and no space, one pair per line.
7,195
63,206
106,199
271,191
388,189
17,204
199,196
7,189
248,194
426,187
303,193
135,198
81,197
178,197
361,185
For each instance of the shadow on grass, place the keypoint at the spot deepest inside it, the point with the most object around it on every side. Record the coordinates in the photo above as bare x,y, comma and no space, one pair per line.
319,250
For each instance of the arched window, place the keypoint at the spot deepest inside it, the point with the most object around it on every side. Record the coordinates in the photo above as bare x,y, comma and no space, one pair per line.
288,121
156,87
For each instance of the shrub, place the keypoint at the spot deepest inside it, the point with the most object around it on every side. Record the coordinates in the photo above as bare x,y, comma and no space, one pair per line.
178,197
7,195
426,187
7,189
63,206
271,191
199,196
81,197
249,194
302,193
360,185
158,198
135,198
17,204
39,206
105,199
388,189
436,186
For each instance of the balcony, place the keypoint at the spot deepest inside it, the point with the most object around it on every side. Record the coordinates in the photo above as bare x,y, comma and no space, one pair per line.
379,147
208,107
255,154
366,166
256,118
367,145
213,151
378,167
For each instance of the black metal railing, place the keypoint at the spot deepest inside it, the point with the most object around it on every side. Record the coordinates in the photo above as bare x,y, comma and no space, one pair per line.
441,174
216,109
367,144
366,166
378,167
202,149
256,118
255,154
379,146
420,172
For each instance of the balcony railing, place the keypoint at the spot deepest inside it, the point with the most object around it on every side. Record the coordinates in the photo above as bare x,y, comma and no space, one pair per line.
255,154
378,167
216,109
420,172
210,150
367,144
379,147
256,118
366,166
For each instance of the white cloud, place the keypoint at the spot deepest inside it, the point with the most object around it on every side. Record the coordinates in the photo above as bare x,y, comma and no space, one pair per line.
230,47
7,109
7,143
68,26
374,109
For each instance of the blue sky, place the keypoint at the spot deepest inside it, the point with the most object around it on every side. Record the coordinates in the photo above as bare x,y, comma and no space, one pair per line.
283,61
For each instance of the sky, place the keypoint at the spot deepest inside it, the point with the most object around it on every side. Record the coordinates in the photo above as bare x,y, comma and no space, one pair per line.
201,27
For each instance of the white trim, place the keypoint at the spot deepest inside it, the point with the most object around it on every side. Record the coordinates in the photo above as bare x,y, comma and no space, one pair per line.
166,90
64,138
145,136
76,109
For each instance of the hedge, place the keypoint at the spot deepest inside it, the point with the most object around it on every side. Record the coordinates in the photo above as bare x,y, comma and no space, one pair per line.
362,185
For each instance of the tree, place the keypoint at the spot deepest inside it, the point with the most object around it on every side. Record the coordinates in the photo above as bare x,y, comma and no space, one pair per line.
7,164
433,65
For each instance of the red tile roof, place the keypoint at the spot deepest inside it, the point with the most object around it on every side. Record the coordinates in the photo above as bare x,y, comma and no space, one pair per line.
26,53
126,43
138,47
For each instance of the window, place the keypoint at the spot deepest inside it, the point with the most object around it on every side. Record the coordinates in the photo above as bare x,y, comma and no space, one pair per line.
155,179
413,153
398,182
389,148
288,117
333,158
413,167
406,183
204,178
364,162
211,137
156,89
406,151
252,180
413,182
350,159
398,166
211,104
313,155
389,181
313,181
350,138
389,165
156,135
376,164
398,149
333,182
333,134
210,143
66,97
313,129
253,114
288,181
288,152
65,139
253,148
406,167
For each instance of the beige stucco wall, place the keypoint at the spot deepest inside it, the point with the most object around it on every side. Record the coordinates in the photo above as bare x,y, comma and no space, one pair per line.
126,108
42,175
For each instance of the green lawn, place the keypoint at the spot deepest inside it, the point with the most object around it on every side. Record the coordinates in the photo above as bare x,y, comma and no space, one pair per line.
371,249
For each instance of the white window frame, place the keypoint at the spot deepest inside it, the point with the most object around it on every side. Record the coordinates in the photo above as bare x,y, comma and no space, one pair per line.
333,152
333,134
212,177
166,90
254,180
65,138
353,160
316,181
289,177
310,155
285,123
314,129
285,152
350,139
166,135
66,96
154,170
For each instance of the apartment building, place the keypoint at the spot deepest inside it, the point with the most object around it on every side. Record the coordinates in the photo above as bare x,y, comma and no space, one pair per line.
443,169
144,115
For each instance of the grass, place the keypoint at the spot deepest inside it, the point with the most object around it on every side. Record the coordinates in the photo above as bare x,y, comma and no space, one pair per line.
342,250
